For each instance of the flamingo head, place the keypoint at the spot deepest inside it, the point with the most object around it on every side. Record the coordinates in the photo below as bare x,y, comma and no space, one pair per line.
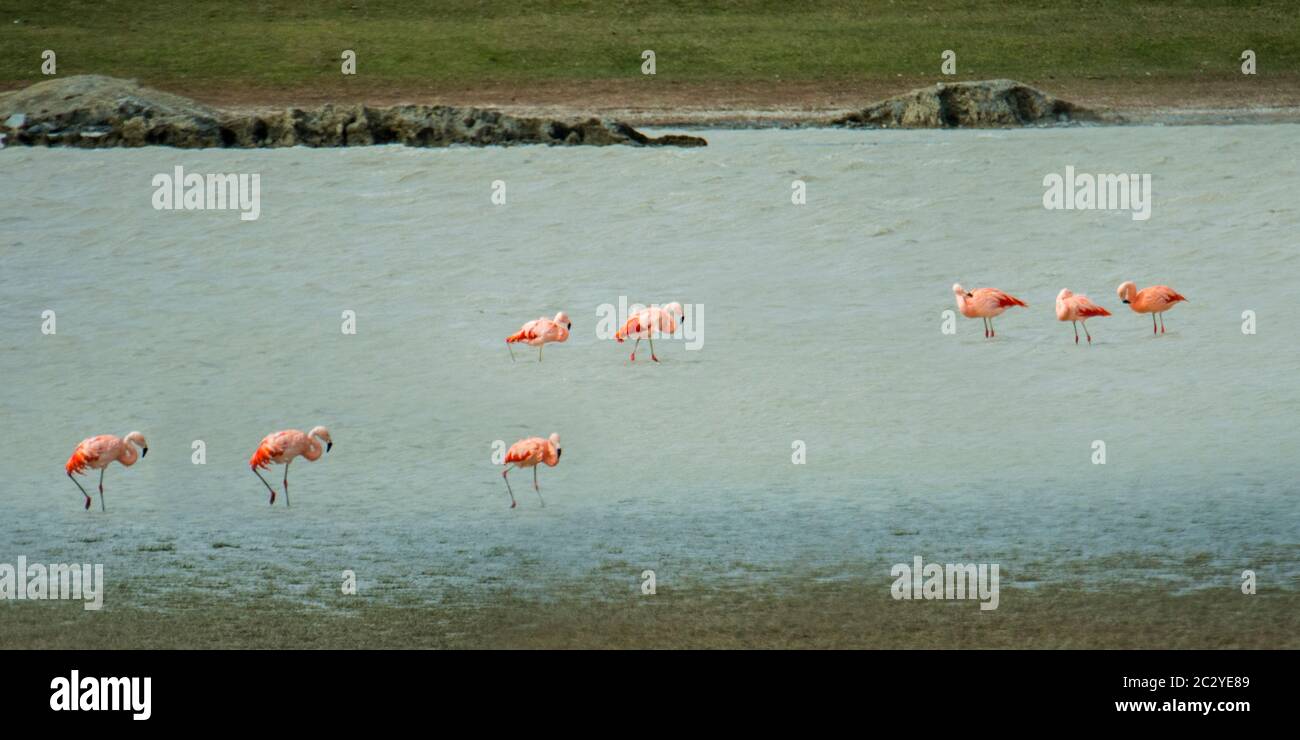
674,309
562,319
1126,290
555,442
1065,293
960,292
138,439
323,435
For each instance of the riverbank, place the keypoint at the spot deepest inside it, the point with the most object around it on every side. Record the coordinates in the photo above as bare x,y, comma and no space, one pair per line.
1230,99
716,63
1148,101
785,614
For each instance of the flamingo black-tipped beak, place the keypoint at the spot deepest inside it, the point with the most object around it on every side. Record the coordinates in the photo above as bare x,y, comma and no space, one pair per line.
329,446
559,454
144,451
1126,303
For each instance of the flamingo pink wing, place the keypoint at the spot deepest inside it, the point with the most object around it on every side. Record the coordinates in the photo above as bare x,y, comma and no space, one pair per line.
268,449
1087,309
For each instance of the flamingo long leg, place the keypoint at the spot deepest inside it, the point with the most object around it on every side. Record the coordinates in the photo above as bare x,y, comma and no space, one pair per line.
1085,331
1153,323
537,487
506,478
286,484
634,348
101,489
652,348
83,491
1075,324
540,347
1162,323
268,485
512,351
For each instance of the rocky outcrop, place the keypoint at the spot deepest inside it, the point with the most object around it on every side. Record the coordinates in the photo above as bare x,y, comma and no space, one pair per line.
93,111
984,104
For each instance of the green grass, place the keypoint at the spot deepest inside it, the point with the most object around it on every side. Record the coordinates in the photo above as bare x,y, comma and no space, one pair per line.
797,613
288,43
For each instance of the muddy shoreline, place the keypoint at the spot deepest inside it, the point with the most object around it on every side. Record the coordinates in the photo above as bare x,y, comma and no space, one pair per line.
792,104
795,613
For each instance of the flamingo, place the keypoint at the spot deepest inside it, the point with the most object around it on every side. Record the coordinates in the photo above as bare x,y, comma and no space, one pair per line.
527,453
650,322
98,452
1153,300
1072,308
282,447
540,331
984,303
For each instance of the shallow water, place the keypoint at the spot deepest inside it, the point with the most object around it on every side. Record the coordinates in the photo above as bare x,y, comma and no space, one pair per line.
821,323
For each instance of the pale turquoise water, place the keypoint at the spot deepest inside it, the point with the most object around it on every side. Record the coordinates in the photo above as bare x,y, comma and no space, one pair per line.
822,324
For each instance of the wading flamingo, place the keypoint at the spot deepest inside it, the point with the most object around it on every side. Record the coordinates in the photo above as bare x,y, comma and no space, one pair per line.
1153,300
1072,308
282,447
527,453
540,331
98,452
984,303
649,323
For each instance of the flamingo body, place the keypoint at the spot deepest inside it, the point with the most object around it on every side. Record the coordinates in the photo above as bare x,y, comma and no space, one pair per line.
542,331
529,453
98,452
984,303
1155,299
282,447
649,323
1072,308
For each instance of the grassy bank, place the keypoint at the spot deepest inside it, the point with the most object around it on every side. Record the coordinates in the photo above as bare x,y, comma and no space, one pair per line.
808,615
706,49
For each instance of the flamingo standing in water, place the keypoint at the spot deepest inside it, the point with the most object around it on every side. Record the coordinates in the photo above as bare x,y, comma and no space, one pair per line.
1153,300
282,447
984,303
540,331
1072,308
527,453
98,452
649,323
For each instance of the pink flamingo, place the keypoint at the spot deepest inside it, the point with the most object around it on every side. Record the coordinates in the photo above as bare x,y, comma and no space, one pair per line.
649,323
98,452
540,331
282,447
1072,308
527,453
1153,300
984,303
